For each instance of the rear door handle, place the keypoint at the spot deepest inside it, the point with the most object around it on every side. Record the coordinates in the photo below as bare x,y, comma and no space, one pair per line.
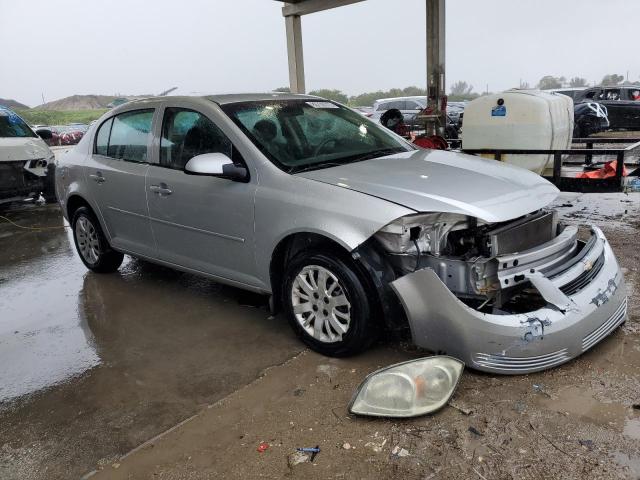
161,189
97,177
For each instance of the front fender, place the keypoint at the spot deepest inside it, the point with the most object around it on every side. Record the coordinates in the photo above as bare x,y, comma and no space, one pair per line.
294,205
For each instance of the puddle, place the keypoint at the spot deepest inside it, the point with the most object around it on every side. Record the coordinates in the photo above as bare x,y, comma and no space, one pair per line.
43,340
581,402
616,210
632,462
632,428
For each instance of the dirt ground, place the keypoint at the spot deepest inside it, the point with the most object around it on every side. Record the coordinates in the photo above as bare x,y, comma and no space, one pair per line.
580,420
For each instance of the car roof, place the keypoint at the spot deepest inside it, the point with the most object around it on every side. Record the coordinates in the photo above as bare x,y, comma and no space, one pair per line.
224,98
410,97
220,99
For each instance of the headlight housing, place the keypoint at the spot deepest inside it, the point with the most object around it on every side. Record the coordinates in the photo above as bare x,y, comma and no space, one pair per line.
408,389
428,230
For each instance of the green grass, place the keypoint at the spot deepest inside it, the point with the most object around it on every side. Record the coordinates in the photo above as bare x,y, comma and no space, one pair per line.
59,117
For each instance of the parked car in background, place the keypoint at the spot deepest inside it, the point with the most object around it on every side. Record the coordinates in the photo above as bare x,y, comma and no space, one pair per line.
345,225
454,110
622,102
589,118
411,108
573,92
366,111
26,162
62,135
408,106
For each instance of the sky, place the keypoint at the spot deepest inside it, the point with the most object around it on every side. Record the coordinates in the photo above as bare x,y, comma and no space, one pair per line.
66,47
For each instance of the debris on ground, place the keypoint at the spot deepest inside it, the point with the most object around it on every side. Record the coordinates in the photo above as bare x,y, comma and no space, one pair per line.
588,444
461,407
400,452
262,447
475,431
540,389
297,458
376,446
312,450
347,446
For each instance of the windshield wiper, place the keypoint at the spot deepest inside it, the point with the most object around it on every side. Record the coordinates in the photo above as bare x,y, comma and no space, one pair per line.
345,160
314,166
375,154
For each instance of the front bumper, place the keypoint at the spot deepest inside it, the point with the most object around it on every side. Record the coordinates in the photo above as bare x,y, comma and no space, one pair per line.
524,342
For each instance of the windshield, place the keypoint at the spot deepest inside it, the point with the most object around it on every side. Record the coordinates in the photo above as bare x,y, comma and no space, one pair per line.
11,125
300,135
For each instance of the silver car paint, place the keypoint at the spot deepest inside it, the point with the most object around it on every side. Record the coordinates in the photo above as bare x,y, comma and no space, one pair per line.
518,343
347,204
273,204
439,181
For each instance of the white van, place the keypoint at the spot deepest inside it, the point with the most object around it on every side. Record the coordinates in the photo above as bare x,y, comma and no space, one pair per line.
26,162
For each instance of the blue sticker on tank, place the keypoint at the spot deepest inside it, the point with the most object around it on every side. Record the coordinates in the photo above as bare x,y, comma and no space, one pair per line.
499,111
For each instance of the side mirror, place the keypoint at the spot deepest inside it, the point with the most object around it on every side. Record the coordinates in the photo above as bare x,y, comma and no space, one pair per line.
216,165
44,133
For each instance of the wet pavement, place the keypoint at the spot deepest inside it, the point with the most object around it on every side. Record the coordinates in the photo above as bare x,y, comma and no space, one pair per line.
92,366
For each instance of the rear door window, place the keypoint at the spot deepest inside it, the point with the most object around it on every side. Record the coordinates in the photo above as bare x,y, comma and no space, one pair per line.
129,136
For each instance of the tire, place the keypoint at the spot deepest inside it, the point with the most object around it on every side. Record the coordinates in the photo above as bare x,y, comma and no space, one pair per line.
338,322
91,244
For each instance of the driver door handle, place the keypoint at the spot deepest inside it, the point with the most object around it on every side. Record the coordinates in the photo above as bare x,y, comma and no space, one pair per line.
161,189
97,177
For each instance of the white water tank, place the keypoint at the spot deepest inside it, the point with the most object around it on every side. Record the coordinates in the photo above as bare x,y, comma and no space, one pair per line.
519,119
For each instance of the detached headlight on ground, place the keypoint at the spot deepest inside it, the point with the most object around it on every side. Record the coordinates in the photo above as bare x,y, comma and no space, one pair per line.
408,389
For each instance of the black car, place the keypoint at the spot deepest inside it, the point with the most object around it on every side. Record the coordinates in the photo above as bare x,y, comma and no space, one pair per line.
589,118
622,102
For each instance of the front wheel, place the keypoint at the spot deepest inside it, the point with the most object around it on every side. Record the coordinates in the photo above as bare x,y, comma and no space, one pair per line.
91,244
327,305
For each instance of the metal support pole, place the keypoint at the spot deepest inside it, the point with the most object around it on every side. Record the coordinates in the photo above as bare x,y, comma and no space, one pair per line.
557,169
588,158
620,169
293,25
436,55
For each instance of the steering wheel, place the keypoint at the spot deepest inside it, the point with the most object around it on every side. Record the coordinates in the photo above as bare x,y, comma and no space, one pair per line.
322,145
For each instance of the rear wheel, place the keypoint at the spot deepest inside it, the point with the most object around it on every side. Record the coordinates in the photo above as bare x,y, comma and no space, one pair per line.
91,244
327,305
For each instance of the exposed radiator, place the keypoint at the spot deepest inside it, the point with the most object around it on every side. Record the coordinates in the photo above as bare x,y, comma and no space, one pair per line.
523,234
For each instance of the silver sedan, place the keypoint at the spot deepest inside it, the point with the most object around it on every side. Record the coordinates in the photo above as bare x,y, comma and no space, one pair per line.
347,227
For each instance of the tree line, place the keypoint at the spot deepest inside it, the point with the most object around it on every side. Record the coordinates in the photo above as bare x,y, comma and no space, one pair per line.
459,91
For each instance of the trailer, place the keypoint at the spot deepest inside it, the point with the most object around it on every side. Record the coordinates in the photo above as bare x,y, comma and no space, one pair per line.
568,164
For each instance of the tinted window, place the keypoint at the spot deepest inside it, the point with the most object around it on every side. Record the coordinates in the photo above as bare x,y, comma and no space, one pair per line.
130,135
613,94
11,125
186,134
102,138
397,104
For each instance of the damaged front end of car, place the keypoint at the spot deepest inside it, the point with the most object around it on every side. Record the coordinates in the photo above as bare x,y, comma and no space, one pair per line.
510,297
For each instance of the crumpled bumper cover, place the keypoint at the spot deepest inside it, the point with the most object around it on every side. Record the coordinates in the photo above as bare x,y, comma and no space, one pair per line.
517,343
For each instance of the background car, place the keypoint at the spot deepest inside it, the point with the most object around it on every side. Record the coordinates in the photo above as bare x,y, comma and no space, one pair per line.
26,162
622,102
408,106
589,118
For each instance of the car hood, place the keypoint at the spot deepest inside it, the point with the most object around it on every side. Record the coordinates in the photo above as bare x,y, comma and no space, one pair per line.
440,181
22,148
